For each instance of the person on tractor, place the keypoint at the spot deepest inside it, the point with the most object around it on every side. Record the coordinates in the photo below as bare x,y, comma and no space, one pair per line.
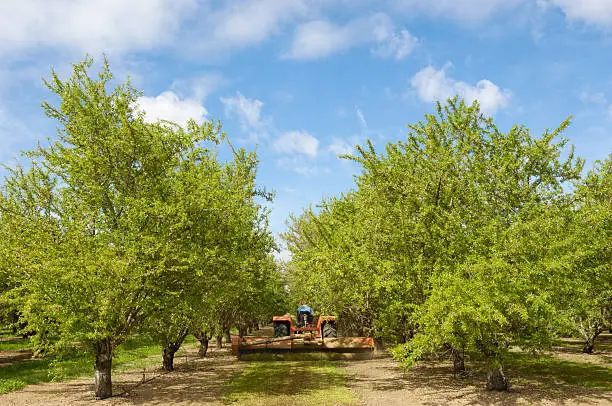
305,314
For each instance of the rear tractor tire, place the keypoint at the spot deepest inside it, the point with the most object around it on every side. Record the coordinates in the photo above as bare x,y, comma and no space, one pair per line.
330,331
281,330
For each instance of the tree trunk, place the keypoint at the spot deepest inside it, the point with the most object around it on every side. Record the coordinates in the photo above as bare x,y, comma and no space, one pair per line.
496,380
14,319
203,347
104,363
170,348
242,331
589,344
590,332
458,362
228,337
168,356
378,343
219,341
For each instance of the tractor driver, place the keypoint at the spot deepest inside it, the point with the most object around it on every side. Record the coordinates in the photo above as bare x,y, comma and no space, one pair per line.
305,314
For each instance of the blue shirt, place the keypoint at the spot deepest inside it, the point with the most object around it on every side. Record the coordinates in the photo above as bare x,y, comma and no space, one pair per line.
305,308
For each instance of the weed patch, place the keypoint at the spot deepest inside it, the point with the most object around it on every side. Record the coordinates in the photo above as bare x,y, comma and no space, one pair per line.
290,383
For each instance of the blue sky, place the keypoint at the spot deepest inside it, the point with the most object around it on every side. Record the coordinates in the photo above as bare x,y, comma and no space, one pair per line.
305,80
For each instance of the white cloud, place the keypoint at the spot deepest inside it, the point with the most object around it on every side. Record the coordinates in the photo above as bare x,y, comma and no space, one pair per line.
340,147
247,110
596,101
398,46
200,87
168,106
90,25
297,143
431,85
597,12
321,38
462,10
249,22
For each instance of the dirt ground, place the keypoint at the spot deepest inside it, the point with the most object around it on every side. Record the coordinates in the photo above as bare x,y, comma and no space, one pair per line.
195,381
381,382
201,381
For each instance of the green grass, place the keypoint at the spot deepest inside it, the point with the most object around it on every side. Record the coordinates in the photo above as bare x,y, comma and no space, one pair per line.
15,343
133,354
533,366
5,331
290,383
9,342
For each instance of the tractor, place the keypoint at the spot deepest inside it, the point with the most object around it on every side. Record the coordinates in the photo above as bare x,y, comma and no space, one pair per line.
304,337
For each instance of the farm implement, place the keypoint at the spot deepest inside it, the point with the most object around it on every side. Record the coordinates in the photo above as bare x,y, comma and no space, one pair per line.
315,338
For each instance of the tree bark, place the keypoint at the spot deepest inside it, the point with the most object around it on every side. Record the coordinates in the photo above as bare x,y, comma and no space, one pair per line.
168,359
170,348
589,344
219,341
204,339
243,330
228,337
590,332
104,363
458,355
496,380
203,347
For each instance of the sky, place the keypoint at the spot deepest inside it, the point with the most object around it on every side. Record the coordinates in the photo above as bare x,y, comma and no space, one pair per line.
302,81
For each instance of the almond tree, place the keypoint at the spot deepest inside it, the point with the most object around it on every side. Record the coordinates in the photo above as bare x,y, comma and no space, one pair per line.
91,214
588,255
435,250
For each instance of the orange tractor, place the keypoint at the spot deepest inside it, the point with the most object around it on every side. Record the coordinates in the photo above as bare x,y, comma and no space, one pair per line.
309,336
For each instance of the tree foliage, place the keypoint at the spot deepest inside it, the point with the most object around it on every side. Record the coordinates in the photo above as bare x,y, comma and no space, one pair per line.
120,225
448,239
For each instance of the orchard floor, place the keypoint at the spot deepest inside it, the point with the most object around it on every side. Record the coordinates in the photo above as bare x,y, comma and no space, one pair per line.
198,381
380,382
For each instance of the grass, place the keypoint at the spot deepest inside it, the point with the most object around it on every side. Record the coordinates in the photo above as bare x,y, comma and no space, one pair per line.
15,343
133,354
578,373
10,342
290,383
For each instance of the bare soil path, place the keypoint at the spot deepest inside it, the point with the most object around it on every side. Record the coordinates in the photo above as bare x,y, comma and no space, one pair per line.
195,381
381,382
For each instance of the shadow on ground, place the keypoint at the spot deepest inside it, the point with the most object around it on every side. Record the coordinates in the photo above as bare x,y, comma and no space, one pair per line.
381,382
195,381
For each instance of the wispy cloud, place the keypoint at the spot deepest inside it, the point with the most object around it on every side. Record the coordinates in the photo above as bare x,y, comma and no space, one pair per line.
362,121
598,12
297,143
320,38
90,25
248,113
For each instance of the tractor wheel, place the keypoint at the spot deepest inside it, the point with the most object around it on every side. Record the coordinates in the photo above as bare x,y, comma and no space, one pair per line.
281,330
329,331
